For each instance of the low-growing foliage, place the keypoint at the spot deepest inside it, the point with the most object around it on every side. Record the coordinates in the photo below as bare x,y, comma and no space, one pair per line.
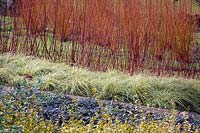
20,111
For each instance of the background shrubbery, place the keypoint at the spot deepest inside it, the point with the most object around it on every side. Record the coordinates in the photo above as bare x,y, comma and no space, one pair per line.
128,35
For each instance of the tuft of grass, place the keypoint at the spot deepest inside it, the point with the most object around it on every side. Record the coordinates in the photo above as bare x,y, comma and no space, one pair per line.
58,77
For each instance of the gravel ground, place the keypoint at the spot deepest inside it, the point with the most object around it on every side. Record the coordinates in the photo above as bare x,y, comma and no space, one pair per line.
58,108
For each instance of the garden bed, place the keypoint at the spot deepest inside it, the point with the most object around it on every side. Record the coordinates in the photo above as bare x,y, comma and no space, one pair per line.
127,66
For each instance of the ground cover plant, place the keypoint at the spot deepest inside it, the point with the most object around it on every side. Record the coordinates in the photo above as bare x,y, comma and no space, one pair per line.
129,35
60,78
29,110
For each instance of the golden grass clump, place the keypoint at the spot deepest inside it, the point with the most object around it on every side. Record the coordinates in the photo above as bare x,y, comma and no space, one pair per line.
60,78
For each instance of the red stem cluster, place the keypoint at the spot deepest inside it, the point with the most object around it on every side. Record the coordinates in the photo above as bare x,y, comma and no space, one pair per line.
128,35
